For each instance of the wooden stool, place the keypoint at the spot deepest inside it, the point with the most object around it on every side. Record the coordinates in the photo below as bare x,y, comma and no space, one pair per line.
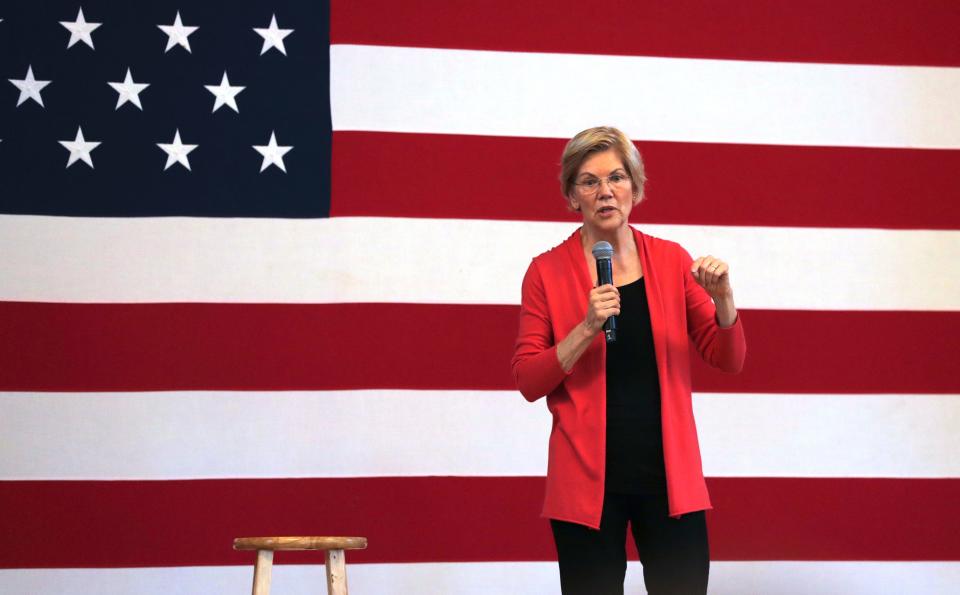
332,547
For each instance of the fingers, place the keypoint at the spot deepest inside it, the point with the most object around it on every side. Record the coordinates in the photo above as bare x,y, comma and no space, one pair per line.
712,274
604,302
605,291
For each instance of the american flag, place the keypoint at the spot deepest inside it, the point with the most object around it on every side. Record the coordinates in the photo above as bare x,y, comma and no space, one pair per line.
260,269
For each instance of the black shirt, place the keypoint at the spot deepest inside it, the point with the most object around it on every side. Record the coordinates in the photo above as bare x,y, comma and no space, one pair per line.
634,433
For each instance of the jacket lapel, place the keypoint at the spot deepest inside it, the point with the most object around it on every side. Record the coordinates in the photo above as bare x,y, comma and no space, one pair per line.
652,286
579,261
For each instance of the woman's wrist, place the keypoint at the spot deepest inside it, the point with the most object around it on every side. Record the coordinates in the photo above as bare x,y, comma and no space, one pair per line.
572,347
585,331
726,311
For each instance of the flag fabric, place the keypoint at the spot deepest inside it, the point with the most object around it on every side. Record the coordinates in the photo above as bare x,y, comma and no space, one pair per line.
260,271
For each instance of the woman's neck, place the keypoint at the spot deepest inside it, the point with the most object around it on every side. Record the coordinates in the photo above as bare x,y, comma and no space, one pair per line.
621,239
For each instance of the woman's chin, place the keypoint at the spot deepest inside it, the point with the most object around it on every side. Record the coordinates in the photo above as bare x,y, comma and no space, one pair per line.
608,222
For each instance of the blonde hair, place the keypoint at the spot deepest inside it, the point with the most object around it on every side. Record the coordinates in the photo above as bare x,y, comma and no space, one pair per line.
598,140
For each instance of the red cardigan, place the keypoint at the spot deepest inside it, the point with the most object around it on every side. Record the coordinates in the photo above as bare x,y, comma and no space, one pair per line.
554,301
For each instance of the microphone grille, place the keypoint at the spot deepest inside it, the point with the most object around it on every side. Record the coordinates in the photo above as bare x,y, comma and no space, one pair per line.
602,250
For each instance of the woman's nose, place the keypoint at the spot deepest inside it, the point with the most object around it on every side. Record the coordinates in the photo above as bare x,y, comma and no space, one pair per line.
605,189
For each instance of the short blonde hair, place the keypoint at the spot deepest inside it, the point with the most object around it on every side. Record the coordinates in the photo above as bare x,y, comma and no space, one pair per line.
598,140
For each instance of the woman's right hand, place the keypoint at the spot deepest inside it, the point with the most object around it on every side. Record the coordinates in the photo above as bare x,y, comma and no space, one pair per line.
604,302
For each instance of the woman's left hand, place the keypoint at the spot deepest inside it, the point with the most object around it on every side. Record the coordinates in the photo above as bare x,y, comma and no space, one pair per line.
713,275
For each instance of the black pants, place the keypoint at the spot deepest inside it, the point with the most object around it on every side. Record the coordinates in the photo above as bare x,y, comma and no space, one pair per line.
674,552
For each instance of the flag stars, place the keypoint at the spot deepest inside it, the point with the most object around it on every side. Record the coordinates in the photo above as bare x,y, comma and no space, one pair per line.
273,37
177,152
272,153
29,87
225,94
80,30
79,149
129,91
177,34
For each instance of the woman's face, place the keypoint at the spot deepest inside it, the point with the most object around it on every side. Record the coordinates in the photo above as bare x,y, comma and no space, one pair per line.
606,205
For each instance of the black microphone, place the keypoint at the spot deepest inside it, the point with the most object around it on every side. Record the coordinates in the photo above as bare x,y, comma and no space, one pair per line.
603,253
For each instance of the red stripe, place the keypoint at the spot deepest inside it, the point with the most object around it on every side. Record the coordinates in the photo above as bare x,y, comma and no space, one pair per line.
690,183
851,31
135,347
448,519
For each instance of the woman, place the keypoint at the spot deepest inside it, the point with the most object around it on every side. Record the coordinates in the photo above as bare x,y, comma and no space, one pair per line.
623,448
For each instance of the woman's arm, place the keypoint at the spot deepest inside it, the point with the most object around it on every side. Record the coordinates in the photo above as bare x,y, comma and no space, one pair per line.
536,369
712,319
713,275
604,302
539,365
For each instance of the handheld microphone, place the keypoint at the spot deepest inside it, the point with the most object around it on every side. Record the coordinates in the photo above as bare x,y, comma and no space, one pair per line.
603,253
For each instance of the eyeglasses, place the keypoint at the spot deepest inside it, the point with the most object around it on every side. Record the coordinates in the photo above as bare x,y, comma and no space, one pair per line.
591,185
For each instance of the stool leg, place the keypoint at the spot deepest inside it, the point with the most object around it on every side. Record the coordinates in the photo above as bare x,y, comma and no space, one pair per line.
336,573
262,572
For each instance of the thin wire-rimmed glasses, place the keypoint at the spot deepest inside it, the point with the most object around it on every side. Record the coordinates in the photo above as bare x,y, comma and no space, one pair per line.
591,185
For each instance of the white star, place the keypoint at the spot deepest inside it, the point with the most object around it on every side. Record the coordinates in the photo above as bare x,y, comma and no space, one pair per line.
129,91
177,34
80,30
225,94
273,37
177,152
79,149
272,154
29,87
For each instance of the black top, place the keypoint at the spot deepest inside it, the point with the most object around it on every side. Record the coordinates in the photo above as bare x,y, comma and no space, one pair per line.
634,432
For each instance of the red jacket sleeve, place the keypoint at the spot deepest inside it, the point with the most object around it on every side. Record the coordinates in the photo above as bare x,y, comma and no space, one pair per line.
723,348
536,369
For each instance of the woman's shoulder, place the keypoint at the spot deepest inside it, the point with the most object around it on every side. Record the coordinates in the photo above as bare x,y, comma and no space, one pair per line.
559,252
554,264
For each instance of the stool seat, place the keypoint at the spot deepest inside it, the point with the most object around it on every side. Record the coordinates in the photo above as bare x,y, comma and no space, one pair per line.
277,544
333,548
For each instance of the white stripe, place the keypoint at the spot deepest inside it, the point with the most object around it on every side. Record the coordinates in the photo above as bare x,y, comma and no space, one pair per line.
370,433
394,89
465,578
235,434
807,435
185,259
